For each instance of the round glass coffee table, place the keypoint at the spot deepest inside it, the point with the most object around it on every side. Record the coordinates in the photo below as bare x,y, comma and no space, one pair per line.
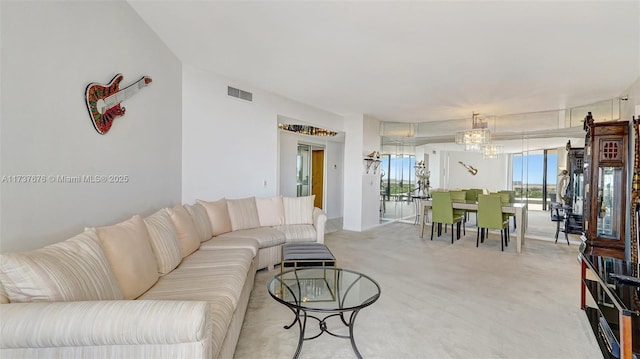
322,293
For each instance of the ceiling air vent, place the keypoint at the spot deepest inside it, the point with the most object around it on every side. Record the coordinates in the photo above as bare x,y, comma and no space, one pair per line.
244,95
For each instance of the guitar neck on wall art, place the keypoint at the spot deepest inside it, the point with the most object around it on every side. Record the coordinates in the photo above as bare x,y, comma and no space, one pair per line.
103,101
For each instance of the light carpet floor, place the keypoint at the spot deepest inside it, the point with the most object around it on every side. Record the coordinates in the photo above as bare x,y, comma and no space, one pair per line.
440,300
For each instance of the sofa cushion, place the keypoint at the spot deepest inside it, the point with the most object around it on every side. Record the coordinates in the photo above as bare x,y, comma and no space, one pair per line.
270,211
208,274
218,216
164,241
298,232
201,220
185,228
130,255
298,210
218,243
73,270
243,213
266,236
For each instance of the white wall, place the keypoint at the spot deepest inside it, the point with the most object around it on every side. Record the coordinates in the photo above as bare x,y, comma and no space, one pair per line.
353,172
492,173
287,177
371,181
230,145
50,52
435,165
334,189
631,107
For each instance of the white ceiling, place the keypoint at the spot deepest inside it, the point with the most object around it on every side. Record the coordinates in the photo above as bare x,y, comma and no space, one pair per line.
412,61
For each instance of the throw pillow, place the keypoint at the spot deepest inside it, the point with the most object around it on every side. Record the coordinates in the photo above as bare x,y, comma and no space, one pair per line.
164,241
73,270
243,213
129,252
298,210
270,211
186,230
218,216
201,220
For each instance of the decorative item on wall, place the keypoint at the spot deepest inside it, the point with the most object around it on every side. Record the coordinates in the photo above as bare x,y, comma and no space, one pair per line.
423,179
103,101
471,169
372,160
306,130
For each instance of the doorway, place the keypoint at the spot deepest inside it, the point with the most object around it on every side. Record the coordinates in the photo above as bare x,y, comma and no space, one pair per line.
310,172
317,176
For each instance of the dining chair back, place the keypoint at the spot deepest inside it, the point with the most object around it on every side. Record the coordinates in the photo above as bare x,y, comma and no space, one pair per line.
442,213
511,199
490,217
460,196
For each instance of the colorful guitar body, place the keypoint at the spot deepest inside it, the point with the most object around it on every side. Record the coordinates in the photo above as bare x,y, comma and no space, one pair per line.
103,101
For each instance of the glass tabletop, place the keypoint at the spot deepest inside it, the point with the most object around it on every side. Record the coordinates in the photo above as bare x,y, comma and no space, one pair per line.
324,289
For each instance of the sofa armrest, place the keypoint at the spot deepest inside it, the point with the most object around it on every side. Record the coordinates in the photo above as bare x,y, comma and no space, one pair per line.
319,221
106,323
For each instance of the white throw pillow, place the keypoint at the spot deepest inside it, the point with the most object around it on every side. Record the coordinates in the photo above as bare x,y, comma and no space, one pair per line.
243,213
201,220
128,248
298,210
270,211
186,230
73,270
218,216
164,241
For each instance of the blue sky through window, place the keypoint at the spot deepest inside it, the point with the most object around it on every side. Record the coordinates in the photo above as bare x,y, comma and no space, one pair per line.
535,165
401,168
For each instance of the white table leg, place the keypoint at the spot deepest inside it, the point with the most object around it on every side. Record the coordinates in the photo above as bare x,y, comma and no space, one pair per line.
521,227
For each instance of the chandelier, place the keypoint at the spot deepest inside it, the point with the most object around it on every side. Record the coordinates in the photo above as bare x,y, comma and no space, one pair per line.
491,151
477,136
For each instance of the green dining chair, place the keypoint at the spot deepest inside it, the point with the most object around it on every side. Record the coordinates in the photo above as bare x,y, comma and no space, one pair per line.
460,196
505,198
490,217
442,213
471,195
512,199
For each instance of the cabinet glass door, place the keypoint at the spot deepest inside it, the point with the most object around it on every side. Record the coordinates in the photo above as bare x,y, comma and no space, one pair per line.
609,190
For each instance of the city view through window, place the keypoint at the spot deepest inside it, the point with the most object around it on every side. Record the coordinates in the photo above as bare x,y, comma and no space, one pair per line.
534,176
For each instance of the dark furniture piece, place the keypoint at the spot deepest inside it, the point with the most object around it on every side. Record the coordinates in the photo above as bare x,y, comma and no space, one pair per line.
323,293
559,213
574,196
605,171
306,255
614,286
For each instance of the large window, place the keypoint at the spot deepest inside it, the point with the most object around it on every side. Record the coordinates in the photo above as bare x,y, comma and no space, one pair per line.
399,175
398,180
535,177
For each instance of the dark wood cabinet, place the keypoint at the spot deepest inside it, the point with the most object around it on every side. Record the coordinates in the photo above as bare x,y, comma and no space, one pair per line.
605,191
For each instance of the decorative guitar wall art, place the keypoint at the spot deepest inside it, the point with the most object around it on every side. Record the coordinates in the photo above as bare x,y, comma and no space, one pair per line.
103,101
473,171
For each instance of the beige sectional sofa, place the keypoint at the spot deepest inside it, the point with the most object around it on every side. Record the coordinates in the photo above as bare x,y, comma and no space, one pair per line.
175,284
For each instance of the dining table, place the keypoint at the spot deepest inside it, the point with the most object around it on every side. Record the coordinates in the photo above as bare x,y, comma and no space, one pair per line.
517,209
